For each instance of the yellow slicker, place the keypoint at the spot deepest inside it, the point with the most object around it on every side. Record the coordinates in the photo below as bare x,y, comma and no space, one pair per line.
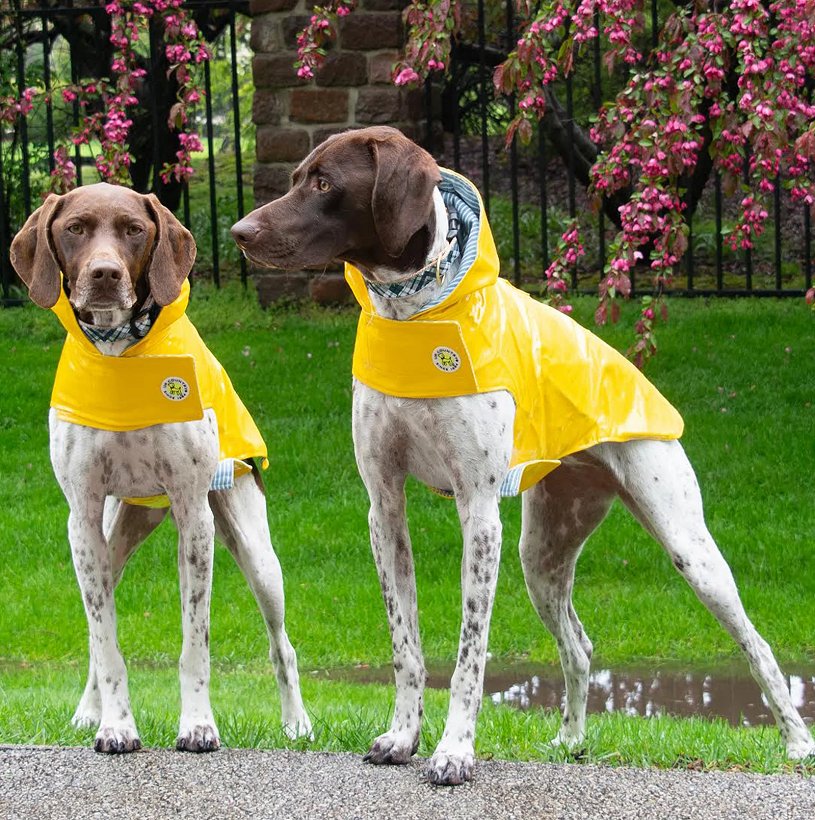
168,376
571,389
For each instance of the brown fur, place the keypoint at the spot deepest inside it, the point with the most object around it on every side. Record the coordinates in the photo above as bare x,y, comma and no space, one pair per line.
376,209
111,244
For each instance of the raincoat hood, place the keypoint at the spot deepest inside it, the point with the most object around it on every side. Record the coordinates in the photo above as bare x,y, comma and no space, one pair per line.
480,334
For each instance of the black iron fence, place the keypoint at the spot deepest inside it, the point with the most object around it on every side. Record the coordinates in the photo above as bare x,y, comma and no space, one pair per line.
533,191
51,45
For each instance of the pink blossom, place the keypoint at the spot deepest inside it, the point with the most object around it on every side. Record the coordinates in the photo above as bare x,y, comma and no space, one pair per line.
405,76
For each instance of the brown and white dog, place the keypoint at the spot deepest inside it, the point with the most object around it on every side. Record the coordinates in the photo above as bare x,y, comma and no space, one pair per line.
370,197
115,248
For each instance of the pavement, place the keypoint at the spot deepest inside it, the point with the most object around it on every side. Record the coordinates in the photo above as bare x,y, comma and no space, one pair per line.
59,783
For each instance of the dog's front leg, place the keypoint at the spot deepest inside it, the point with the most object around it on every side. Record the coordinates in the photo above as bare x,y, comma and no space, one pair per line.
117,728
393,555
125,526
196,533
452,762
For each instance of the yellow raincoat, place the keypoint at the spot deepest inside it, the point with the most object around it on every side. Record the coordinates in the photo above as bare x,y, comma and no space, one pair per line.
571,389
168,376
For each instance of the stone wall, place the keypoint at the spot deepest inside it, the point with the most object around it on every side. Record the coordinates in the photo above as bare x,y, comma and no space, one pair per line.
292,115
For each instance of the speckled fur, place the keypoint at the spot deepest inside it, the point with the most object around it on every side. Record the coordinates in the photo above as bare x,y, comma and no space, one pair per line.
364,197
465,443
112,258
93,466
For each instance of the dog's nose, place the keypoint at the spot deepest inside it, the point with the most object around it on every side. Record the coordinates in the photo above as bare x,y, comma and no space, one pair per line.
105,270
244,232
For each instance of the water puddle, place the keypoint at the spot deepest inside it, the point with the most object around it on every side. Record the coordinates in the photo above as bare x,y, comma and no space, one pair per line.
725,692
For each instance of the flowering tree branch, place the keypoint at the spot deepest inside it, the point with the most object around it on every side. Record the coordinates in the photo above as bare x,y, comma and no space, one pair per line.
728,87
106,104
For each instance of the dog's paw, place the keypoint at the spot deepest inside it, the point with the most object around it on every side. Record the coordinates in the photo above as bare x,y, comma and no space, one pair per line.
298,727
202,737
116,740
392,748
449,769
571,741
86,718
802,750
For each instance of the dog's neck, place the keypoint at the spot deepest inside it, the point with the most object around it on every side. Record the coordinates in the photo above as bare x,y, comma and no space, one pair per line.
404,307
91,319
108,320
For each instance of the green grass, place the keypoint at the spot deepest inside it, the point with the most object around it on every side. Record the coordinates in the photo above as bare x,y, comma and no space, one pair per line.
739,371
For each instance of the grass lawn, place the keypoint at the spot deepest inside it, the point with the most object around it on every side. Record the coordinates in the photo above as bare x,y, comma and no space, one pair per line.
739,371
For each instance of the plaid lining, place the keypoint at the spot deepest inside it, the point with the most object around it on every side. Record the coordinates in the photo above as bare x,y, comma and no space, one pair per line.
510,486
420,281
133,329
461,198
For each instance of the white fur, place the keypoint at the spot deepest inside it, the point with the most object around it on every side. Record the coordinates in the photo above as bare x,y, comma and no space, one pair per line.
94,469
465,443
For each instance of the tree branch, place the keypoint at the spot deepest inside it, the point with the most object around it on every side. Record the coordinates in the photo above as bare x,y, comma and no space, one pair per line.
575,142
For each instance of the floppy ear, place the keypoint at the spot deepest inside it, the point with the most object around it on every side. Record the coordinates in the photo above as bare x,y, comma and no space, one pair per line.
173,254
402,198
32,254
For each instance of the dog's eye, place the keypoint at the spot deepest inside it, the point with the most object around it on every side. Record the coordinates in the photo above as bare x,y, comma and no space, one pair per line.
324,185
134,230
76,229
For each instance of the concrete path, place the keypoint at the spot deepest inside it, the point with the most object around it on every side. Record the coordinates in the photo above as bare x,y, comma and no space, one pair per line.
57,783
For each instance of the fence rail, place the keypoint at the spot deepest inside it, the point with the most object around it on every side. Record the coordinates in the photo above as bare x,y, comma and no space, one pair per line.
51,57
535,192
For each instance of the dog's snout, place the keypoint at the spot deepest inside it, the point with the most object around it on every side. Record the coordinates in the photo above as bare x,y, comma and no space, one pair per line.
105,270
244,232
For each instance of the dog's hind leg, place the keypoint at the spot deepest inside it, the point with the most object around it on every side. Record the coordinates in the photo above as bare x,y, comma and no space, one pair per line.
660,488
559,514
241,523
125,527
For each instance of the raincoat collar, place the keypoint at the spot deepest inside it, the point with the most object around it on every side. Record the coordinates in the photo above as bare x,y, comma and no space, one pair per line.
166,317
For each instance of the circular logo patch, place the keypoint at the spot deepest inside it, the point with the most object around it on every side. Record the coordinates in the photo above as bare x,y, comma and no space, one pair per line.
175,388
447,360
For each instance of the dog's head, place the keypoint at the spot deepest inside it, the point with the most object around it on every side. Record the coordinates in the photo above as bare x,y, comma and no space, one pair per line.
362,196
112,245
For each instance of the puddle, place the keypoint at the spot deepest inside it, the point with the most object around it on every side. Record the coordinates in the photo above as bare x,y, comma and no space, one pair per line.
728,693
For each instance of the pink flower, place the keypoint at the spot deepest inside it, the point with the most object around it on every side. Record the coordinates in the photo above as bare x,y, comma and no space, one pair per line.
190,142
405,76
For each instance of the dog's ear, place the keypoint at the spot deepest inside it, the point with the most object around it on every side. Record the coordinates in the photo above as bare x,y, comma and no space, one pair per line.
33,257
173,254
402,198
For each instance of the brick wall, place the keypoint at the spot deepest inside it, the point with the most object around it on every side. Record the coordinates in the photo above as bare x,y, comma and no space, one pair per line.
292,116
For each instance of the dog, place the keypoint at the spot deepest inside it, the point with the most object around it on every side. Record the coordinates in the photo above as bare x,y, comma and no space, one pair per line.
113,264
421,262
